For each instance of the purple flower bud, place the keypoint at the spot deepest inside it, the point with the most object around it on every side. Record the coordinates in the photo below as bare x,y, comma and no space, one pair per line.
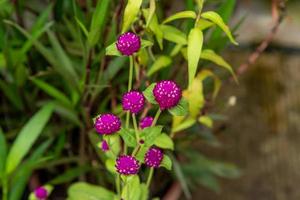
153,157
107,124
167,94
41,193
128,43
133,101
127,165
146,122
104,146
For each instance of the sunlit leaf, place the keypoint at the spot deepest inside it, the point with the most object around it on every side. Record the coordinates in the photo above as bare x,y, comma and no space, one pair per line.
166,162
160,63
180,123
148,93
204,24
217,19
152,8
128,136
131,10
210,55
206,120
155,28
181,15
173,34
181,109
203,74
195,41
164,141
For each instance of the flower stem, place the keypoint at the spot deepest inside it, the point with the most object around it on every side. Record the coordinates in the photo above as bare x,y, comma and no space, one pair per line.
118,185
150,177
130,73
4,188
156,117
136,129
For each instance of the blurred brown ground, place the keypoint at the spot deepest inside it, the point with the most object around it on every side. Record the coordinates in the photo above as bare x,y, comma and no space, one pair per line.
262,133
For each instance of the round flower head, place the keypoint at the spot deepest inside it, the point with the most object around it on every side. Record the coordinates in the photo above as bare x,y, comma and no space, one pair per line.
128,43
127,165
153,157
167,94
107,124
146,122
133,101
104,146
41,193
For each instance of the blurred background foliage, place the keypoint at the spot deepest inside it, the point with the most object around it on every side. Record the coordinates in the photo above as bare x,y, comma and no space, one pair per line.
55,78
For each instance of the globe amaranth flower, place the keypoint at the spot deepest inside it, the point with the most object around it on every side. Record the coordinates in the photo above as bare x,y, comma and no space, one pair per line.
104,146
128,43
41,193
127,165
107,124
154,157
146,122
133,101
167,94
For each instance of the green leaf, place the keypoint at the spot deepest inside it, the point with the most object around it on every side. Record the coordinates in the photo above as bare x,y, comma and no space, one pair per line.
132,188
150,134
140,156
187,123
217,82
204,24
52,91
217,19
27,136
210,55
128,136
3,153
110,165
148,93
181,15
172,34
206,120
160,63
114,142
166,162
181,109
155,28
87,191
112,50
144,192
152,8
195,42
164,141
98,21
69,175
82,27
131,10
225,170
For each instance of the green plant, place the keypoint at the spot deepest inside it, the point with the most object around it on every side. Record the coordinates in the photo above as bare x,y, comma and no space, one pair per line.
66,62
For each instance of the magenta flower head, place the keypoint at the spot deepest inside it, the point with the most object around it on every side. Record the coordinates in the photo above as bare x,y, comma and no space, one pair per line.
104,146
133,101
153,157
107,124
41,193
146,122
128,43
167,94
127,165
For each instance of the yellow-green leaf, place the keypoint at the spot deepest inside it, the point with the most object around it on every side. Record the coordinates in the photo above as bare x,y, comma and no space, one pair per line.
204,24
217,19
217,82
173,34
152,8
130,13
210,55
207,121
180,15
180,125
159,63
154,27
195,42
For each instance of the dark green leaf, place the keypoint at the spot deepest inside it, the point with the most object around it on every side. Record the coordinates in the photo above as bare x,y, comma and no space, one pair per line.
27,137
69,175
3,152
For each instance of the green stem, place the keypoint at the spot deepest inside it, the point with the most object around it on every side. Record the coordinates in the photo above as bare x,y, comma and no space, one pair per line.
118,185
4,188
130,73
150,177
156,117
136,129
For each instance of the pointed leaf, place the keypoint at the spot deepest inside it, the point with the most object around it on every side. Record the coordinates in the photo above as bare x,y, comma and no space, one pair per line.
164,141
181,109
27,136
217,19
166,162
148,93
181,15
173,34
159,63
131,10
195,42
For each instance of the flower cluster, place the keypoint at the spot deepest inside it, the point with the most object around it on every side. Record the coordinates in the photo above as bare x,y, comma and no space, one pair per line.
166,93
